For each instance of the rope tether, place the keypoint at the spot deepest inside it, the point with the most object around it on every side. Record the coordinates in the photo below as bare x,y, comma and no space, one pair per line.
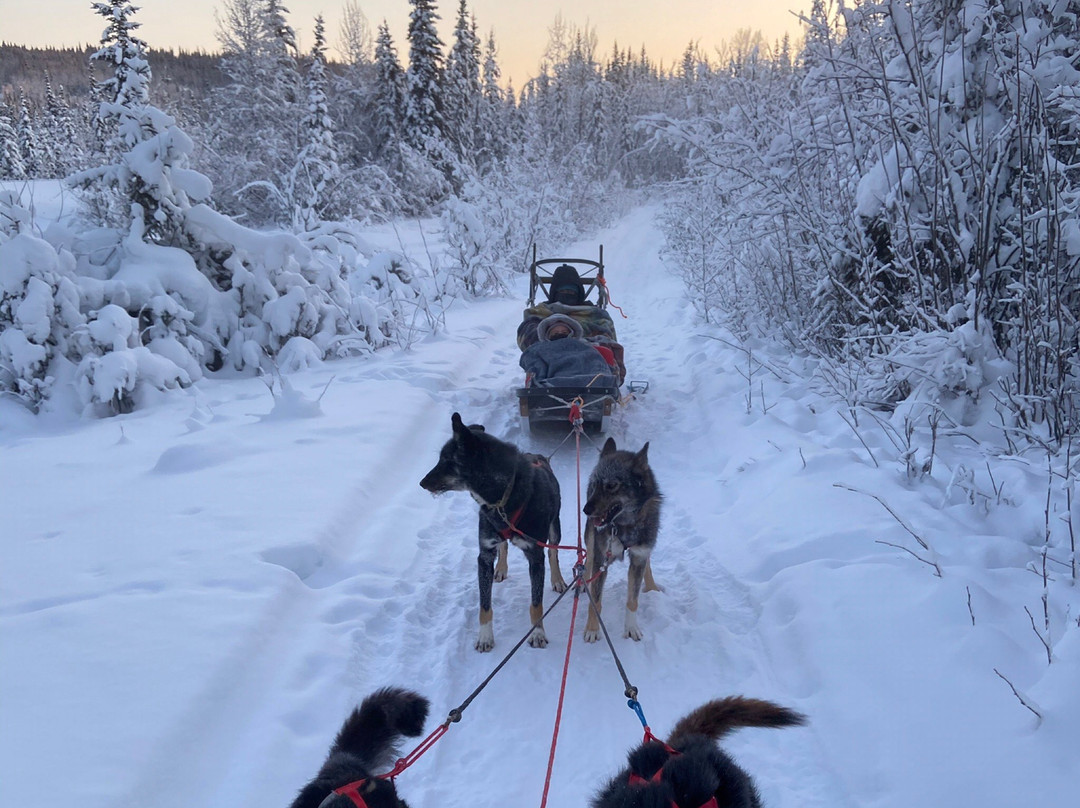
607,293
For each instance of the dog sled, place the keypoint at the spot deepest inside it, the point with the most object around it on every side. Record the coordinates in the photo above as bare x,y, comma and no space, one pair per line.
575,374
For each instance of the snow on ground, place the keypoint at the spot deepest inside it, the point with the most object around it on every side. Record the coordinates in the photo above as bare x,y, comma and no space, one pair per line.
193,596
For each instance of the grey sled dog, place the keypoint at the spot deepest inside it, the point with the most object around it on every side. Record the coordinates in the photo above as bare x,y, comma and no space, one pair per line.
624,517
519,502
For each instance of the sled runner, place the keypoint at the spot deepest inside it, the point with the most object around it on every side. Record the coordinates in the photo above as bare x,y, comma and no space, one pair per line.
572,361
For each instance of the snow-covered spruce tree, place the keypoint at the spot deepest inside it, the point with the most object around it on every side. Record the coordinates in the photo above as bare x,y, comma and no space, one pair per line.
148,152
11,162
429,159
30,149
424,102
493,122
318,174
387,113
389,102
56,141
461,89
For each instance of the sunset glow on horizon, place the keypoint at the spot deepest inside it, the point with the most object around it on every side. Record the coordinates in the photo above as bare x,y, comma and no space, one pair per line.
521,27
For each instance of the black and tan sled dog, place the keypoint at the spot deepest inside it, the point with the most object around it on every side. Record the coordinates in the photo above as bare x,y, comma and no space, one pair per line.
624,516
690,771
519,502
365,745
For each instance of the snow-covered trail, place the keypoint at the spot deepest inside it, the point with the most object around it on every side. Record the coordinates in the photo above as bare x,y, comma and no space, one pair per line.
700,640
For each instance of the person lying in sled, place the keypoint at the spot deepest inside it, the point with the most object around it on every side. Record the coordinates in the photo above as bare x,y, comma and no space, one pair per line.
566,295
561,358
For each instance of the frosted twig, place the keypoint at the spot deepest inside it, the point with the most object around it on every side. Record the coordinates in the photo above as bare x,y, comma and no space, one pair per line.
1045,642
912,553
903,524
1019,695
857,435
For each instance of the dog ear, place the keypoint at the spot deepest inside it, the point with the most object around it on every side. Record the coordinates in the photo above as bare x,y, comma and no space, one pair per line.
457,424
609,447
641,459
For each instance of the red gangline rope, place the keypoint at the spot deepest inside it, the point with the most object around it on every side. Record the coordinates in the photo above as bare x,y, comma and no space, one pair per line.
573,618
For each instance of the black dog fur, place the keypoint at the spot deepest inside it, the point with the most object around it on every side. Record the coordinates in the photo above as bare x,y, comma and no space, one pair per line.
364,747
700,771
519,501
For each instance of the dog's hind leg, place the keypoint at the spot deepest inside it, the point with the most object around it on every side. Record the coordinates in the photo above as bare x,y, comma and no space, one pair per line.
596,588
638,566
554,537
501,567
538,638
650,584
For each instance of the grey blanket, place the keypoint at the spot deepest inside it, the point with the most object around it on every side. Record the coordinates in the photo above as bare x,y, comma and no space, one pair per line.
566,363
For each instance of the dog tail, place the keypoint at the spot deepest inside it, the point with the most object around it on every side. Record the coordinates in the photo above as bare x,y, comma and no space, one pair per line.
719,717
375,727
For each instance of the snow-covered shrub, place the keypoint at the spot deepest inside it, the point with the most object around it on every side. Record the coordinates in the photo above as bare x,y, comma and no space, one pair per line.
318,286
39,310
391,299
115,366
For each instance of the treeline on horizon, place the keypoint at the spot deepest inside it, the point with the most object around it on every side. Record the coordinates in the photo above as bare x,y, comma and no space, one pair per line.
24,68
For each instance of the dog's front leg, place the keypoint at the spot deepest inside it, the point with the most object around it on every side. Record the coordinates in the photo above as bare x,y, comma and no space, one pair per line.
593,561
501,567
638,565
485,575
538,639
554,537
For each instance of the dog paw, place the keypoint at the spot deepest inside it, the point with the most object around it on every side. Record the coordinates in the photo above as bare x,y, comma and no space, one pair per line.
592,635
538,639
631,629
559,586
500,575
485,640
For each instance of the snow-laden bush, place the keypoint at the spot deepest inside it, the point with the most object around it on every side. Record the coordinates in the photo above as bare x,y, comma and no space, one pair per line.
114,366
325,286
39,311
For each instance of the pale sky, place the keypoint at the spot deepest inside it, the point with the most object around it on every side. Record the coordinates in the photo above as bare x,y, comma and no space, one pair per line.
665,27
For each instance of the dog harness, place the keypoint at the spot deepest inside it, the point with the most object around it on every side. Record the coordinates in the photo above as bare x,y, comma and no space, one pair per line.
511,524
350,790
512,520
637,780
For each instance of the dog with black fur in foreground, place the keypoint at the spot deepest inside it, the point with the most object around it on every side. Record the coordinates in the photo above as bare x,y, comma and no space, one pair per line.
519,502
690,770
366,744
623,510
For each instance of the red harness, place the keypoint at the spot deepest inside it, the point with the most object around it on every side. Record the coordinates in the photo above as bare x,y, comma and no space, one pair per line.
352,791
638,780
511,525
